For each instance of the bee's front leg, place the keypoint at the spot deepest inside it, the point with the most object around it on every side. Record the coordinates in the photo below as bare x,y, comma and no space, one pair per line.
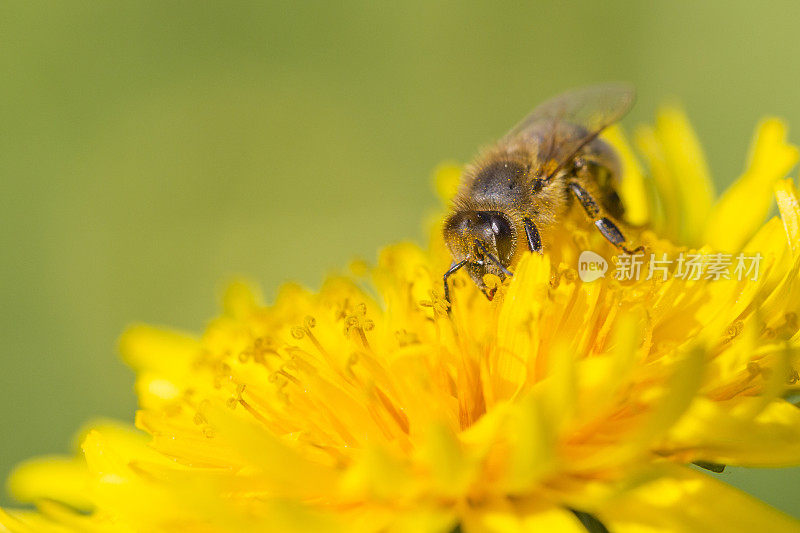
453,269
532,233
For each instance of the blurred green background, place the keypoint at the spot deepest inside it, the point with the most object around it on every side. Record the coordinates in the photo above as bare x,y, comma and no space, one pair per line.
150,150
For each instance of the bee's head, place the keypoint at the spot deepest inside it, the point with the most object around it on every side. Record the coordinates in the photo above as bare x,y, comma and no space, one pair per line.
470,234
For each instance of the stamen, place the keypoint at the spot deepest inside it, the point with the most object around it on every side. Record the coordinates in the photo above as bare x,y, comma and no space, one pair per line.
317,344
399,416
300,332
569,274
299,360
351,362
438,303
734,329
288,376
258,416
262,347
405,338
359,323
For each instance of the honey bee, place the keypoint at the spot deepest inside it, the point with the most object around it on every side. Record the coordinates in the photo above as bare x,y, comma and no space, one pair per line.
519,189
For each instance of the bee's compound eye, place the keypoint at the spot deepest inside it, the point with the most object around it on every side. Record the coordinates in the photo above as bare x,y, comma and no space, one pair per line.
503,236
498,225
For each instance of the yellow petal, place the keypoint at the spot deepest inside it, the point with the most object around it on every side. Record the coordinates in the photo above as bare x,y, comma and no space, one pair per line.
516,352
634,186
535,517
531,435
447,177
716,432
376,475
422,521
740,211
687,501
286,472
666,215
51,518
240,298
56,478
789,206
688,168
129,443
164,351
451,470
677,395
681,174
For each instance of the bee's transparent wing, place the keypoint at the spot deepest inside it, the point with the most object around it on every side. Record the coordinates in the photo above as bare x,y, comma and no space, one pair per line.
566,123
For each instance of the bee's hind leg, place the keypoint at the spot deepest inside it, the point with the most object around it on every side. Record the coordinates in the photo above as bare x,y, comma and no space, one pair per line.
603,223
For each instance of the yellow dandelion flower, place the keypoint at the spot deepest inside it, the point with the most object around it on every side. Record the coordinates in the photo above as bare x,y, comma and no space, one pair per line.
561,405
